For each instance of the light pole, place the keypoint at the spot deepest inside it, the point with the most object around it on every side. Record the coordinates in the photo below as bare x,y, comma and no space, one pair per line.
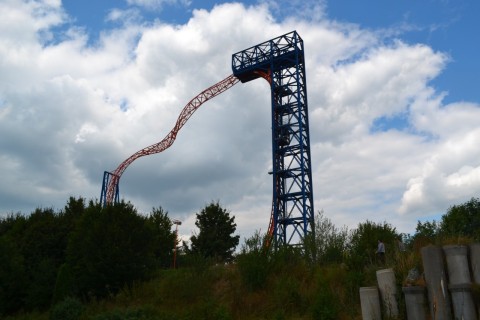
176,223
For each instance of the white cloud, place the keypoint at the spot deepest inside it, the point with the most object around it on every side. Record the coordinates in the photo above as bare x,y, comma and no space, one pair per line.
157,4
69,110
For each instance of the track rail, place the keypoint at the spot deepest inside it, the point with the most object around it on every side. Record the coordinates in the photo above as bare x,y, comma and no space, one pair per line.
166,142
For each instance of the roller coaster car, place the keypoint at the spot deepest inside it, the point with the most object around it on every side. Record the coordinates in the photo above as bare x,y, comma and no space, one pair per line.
283,91
283,138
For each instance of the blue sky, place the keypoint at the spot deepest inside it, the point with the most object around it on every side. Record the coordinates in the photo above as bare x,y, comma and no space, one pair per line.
448,26
392,88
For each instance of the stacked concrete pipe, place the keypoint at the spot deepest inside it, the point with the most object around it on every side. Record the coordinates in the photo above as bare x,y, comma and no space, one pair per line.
437,284
449,293
415,302
474,249
460,282
370,303
388,291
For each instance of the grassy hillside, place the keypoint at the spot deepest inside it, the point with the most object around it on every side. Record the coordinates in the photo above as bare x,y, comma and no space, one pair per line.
295,291
282,285
78,264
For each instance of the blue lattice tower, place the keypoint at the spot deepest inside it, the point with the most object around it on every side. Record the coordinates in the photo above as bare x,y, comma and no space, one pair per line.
109,177
281,61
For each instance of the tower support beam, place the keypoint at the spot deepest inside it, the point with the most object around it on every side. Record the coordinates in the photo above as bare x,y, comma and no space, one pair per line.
281,61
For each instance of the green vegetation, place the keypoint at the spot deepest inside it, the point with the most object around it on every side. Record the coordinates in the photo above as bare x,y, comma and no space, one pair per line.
86,252
216,239
90,262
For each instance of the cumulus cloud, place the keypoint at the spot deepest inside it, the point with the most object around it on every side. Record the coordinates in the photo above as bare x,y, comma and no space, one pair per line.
157,4
69,110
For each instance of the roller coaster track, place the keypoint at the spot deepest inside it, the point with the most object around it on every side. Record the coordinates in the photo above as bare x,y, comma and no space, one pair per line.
165,143
169,139
281,62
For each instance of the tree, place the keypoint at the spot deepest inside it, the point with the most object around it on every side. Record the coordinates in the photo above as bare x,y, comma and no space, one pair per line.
164,237
110,248
462,220
425,233
44,241
363,242
215,239
12,277
34,248
330,242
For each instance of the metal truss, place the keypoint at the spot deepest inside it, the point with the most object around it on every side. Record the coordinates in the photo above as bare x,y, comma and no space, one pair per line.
281,61
111,180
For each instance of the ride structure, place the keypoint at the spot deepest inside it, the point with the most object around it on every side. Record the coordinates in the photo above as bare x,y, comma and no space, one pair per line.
281,62
110,188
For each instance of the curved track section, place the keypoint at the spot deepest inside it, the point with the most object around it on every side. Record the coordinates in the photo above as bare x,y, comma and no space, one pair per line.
186,113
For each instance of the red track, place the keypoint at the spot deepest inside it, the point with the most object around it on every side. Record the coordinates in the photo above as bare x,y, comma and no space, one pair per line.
186,113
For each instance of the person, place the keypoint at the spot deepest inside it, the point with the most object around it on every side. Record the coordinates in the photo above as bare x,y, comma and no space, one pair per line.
381,252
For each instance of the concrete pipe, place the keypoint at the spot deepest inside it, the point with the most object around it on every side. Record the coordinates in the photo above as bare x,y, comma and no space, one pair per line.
475,261
463,305
436,279
415,302
457,264
370,303
388,291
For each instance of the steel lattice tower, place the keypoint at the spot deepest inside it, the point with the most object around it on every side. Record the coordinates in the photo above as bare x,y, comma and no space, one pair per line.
281,61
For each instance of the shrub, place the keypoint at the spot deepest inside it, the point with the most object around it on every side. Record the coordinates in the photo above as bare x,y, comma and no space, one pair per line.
110,248
144,313
68,309
253,263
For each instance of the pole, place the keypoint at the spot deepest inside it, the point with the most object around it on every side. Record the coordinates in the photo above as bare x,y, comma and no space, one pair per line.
177,223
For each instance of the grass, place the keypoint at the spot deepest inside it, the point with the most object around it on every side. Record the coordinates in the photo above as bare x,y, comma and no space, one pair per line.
291,289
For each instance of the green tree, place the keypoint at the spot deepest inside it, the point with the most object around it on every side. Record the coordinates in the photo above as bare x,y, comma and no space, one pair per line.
462,220
330,243
164,236
12,278
43,245
363,242
425,233
110,248
215,238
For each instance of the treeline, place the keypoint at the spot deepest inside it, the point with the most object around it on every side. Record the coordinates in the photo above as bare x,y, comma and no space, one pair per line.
356,247
84,251
322,282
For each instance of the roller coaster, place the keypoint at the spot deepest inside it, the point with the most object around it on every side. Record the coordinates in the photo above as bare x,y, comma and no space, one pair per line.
281,62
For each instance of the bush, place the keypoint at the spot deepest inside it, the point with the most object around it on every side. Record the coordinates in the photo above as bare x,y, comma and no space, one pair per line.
324,305
145,313
329,244
363,243
254,269
110,248
253,263
68,309
64,284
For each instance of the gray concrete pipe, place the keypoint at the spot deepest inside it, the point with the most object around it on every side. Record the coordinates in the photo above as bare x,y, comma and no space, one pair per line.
388,292
437,285
415,302
457,264
370,303
463,305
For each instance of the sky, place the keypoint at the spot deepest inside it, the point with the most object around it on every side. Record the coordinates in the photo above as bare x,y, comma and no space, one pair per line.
393,102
